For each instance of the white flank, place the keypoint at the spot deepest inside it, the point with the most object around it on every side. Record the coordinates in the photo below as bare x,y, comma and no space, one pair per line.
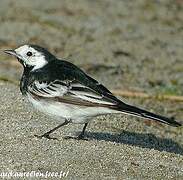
76,114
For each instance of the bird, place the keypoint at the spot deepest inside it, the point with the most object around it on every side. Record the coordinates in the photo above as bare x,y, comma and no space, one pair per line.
65,92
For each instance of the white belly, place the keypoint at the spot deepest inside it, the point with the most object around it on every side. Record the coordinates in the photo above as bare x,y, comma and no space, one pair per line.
76,114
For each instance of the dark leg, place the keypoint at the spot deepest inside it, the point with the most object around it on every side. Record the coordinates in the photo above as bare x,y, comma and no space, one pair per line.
47,134
81,135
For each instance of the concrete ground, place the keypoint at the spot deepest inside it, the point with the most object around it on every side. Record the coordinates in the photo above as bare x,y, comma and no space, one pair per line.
127,45
118,147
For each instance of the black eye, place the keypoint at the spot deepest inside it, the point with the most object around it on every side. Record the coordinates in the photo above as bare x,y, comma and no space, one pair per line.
29,53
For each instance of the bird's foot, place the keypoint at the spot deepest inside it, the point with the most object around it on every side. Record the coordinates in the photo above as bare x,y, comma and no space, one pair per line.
45,136
80,137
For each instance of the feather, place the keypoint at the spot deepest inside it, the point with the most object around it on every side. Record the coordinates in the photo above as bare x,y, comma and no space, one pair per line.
72,92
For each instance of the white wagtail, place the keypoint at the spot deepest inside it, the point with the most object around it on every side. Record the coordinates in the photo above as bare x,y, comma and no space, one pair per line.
61,89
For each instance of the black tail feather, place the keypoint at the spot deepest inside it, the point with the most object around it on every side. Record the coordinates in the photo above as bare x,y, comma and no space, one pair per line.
146,114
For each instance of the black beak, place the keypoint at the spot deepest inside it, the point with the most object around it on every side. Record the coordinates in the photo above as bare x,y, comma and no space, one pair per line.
11,52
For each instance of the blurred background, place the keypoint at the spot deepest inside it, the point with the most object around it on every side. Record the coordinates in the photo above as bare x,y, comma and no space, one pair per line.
130,45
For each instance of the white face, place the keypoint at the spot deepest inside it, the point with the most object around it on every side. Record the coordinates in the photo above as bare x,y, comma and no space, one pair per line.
31,57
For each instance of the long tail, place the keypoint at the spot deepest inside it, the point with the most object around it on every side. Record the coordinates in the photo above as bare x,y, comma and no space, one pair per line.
146,114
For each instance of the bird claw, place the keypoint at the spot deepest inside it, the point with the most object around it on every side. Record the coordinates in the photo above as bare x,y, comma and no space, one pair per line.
45,136
80,137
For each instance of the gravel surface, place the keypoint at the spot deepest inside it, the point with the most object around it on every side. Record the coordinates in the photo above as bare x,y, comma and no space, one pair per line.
128,45
118,147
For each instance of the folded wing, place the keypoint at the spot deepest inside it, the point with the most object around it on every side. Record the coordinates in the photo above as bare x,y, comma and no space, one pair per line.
71,92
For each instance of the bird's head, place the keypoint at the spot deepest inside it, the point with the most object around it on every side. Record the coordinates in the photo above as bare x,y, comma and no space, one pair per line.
31,56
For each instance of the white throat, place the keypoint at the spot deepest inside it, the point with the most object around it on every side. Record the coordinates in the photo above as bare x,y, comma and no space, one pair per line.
41,62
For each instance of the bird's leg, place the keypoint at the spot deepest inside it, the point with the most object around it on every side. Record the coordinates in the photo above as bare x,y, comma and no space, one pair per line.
47,134
80,136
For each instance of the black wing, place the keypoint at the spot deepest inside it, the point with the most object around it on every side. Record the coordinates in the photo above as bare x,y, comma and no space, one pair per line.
78,83
72,93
